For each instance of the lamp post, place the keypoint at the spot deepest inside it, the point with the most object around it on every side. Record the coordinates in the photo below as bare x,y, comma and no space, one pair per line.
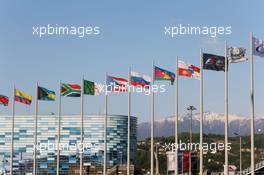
191,109
240,153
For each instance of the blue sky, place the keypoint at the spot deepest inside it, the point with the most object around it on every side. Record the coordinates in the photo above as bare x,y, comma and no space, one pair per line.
132,34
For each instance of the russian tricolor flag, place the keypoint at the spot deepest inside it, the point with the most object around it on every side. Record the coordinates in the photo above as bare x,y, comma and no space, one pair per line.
138,79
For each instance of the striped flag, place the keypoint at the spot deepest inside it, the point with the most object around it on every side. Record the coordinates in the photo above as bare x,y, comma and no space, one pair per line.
45,94
22,97
138,79
70,90
162,74
116,84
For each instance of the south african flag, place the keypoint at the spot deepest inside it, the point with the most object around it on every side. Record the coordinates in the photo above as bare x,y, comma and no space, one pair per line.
70,90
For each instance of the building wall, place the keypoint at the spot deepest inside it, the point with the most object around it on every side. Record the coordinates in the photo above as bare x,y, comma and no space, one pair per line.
70,138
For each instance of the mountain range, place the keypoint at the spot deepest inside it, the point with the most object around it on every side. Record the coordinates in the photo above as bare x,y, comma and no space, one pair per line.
213,123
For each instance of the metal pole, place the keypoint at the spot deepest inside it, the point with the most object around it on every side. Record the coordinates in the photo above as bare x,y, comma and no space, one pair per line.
35,133
157,159
59,130
240,152
191,126
252,110
128,123
226,111
82,147
177,116
190,155
240,155
12,133
190,108
105,133
201,113
152,127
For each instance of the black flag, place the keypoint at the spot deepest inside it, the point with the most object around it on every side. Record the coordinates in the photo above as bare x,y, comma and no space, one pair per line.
213,62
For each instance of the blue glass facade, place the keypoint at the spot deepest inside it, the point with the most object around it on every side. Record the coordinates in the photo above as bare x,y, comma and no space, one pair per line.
70,140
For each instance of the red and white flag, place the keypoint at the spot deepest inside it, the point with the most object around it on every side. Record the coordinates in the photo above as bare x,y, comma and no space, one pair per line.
188,70
116,84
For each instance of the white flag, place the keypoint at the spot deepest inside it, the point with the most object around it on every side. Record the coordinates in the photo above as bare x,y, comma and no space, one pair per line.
98,88
236,55
258,47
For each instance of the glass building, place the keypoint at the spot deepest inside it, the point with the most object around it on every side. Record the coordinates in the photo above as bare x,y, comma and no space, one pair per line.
70,143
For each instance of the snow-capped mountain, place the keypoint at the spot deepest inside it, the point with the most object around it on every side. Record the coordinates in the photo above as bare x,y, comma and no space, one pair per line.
213,123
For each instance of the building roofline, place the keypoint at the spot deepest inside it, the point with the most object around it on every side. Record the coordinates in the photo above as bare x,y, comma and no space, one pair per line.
112,115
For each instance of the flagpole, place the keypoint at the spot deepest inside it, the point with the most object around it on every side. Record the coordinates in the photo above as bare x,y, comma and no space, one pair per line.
226,111
201,113
128,122
81,152
252,110
152,127
35,132
177,117
59,130
105,130
12,133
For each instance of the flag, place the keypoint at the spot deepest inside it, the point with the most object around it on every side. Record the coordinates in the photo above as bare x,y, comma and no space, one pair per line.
213,62
258,47
45,94
70,90
236,55
4,100
138,79
188,70
186,161
116,84
183,69
22,97
161,74
92,88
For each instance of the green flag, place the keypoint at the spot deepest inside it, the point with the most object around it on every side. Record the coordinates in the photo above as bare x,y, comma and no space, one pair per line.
88,87
92,88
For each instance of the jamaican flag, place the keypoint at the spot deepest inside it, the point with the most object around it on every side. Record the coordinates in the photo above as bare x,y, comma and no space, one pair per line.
45,94
70,90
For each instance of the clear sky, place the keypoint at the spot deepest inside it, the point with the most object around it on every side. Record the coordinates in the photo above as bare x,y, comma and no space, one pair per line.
131,34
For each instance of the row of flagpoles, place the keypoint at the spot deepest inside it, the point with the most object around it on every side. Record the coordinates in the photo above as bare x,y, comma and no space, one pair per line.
117,84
